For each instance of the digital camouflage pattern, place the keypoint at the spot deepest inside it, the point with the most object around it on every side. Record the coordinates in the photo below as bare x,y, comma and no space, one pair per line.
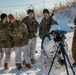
32,26
44,27
19,33
5,38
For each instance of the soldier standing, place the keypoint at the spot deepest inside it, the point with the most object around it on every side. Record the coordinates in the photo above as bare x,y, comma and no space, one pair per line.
45,24
19,35
32,26
5,40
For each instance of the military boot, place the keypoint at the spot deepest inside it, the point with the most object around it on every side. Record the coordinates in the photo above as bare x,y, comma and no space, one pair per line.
19,67
28,65
5,65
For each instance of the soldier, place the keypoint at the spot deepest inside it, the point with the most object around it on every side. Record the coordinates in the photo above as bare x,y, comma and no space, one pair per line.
19,35
45,24
50,46
32,26
5,40
74,45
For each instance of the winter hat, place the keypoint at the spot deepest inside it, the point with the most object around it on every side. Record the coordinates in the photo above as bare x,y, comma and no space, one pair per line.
45,11
3,15
30,10
10,16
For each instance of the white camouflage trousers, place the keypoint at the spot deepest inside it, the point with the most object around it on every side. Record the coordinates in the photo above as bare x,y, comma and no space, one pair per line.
46,61
32,47
7,52
18,52
57,69
26,54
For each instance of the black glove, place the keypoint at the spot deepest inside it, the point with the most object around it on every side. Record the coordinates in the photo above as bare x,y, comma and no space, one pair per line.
71,27
52,13
59,52
61,61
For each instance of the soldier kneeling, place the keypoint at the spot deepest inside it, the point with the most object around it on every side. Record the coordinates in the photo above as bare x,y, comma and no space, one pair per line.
50,47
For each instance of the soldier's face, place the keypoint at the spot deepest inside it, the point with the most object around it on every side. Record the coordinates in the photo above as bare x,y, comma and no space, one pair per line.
5,19
31,15
46,15
12,20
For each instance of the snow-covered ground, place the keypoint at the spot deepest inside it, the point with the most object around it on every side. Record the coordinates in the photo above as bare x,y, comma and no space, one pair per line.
37,67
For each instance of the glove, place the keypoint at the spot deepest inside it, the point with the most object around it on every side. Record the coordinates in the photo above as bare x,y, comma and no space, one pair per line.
61,61
71,27
52,14
59,52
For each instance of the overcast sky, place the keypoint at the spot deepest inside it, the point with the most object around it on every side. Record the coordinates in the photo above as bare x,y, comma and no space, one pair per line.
10,5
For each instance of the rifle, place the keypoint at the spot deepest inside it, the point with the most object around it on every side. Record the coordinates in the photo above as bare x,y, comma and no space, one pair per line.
48,28
50,21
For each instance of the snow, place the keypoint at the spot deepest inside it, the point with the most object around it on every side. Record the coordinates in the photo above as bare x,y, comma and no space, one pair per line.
37,67
35,70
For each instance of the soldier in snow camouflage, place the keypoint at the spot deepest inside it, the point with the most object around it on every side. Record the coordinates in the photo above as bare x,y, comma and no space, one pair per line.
19,35
32,26
5,40
45,25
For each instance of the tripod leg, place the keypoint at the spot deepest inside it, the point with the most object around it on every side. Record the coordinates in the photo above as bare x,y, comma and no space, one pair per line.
52,62
62,49
69,62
